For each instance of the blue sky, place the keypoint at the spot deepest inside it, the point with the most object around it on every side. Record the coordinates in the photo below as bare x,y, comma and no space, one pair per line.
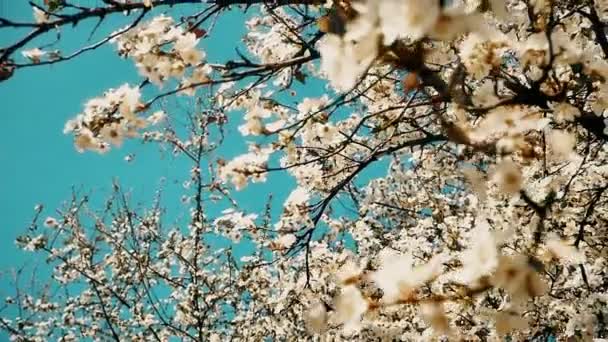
39,163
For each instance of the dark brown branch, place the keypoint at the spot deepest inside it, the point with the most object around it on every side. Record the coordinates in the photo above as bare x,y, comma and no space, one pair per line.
102,12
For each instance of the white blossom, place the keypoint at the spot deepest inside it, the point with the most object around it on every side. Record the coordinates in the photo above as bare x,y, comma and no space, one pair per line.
350,306
40,16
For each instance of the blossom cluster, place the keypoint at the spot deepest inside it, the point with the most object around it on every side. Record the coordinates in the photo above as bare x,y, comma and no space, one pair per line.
108,120
162,50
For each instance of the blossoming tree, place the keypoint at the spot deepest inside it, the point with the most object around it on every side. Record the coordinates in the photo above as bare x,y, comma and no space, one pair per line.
489,219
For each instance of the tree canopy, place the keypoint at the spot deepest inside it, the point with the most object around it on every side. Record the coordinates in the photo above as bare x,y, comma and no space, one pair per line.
483,122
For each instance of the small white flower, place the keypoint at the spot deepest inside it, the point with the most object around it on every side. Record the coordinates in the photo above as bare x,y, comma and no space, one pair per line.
508,176
157,117
254,124
484,95
345,61
316,318
559,249
35,243
564,112
287,240
51,222
129,97
398,278
40,16
311,105
406,18
186,42
477,181
86,141
509,120
113,134
562,143
298,196
350,306
247,258
349,273
191,56
201,74
481,258
480,53
515,275
34,55
434,315
275,126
